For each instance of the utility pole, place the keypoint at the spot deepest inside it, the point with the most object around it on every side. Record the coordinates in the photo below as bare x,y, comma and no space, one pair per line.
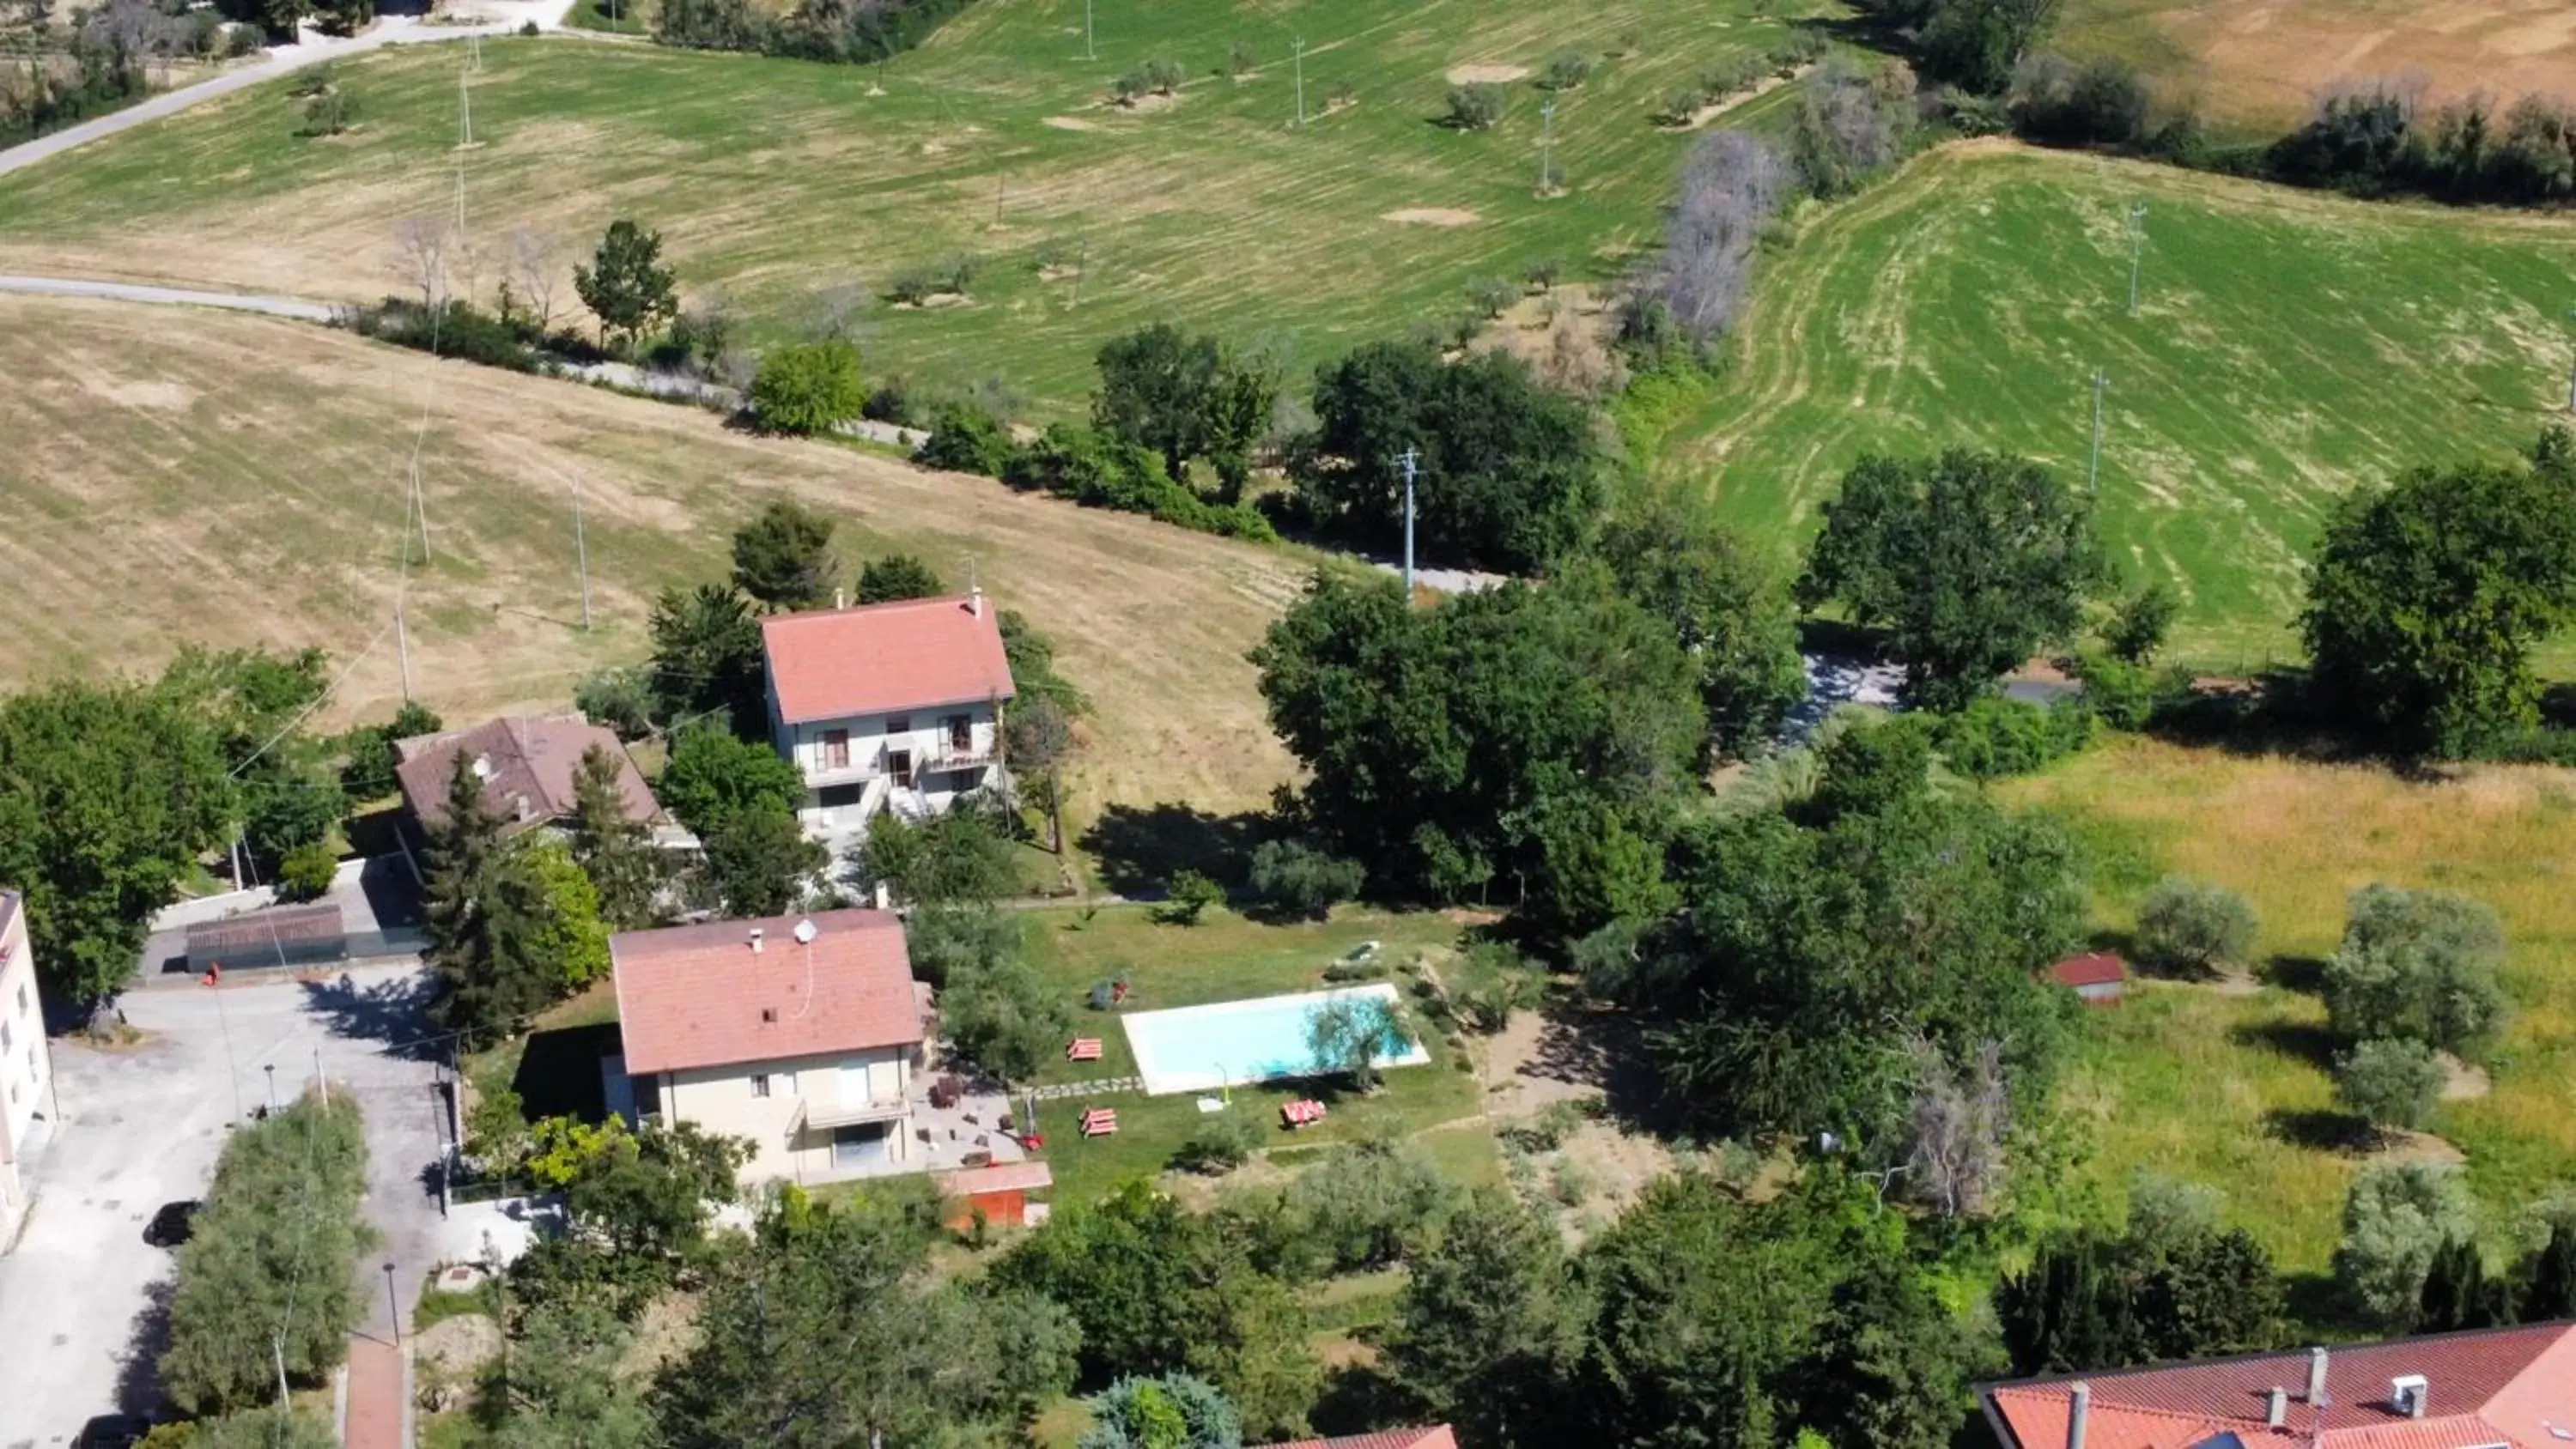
1087,52
581,551
2137,249
277,1347
402,645
271,1069
1546,146
2093,470
1297,48
321,1079
1411,460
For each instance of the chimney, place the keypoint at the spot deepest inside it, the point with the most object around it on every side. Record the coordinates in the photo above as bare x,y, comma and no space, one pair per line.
975,601
2317,1377
2410,1394
2079,1408
2277,1414
756,934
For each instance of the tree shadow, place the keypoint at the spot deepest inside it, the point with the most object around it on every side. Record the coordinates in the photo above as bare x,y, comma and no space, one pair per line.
1139,847
2320,1130
558,1074
1603,1048
2305,1041
2323,1308
138,1367
395,1012
2303,974
1359,1399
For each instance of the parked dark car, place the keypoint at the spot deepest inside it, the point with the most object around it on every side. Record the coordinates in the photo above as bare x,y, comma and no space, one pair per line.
114,1431
172,1225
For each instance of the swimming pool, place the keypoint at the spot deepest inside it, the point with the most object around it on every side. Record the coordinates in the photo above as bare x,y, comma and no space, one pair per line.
1198,1048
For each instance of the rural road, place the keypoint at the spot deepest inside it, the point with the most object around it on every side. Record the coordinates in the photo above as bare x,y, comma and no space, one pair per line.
284,60
168,296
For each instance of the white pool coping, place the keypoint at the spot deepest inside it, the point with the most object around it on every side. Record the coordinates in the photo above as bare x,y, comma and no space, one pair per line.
1161,1083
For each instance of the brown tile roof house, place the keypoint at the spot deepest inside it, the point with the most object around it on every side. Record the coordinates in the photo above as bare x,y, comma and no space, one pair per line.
2505,1388
2098,977
527,764
885,658
730,992
1435,1437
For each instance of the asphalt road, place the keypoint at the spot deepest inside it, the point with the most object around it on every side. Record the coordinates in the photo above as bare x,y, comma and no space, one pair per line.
167,296
141,1126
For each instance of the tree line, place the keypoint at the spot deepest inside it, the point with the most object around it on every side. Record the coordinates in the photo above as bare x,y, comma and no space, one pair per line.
854,32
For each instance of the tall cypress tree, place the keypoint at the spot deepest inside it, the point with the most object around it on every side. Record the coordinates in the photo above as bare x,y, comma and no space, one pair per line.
616,852
2454,1288
2552,1293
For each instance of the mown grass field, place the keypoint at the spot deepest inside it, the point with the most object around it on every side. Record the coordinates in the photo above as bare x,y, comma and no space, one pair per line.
2258,65
2196,1082
779,182
174,476
2287,346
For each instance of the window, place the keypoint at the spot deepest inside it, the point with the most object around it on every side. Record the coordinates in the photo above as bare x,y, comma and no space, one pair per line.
760,1084
862,1145
899,765
899,724
836,749
840,797
961,733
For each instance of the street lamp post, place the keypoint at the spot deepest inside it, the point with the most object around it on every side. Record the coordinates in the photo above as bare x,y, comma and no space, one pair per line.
393,1302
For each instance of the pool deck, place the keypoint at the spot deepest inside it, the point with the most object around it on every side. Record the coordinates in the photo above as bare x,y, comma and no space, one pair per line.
1163,1081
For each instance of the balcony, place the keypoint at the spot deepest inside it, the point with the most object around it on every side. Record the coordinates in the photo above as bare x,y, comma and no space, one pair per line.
955,757
845,1114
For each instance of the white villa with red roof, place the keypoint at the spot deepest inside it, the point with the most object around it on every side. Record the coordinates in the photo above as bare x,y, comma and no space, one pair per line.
894,706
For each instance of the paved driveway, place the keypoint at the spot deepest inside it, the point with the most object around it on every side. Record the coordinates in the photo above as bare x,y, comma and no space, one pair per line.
142,1126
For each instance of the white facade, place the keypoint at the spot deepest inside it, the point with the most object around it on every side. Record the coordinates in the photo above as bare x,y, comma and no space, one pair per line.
26,1066
810,1119
915,763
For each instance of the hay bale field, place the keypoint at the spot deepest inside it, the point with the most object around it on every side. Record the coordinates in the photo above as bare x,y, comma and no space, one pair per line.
2287,346
780,183
175,476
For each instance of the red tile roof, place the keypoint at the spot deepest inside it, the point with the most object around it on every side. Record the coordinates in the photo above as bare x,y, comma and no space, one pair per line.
1030,1176
1435,1437
528,768
2094,968
885,658
2511,1386
701,996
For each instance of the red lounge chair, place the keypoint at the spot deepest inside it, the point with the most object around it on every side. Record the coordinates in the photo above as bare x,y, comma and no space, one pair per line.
1099,1122
1083,1049
1304,1113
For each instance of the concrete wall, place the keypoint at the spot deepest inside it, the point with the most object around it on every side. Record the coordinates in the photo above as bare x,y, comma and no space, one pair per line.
722,1099
873,740
26,1069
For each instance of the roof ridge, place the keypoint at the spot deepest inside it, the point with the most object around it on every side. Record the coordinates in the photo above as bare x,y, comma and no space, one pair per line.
2555,1326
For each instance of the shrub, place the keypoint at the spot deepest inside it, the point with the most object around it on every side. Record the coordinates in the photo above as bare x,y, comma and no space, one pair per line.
1475,107
1543,274
1241,59
2101,103
1566,70
620,699
1994,738
1191,895
809,388
455,329
2419,965
1222,1143
1301,880
306,872
1153,78
2129,696
2192,927
2396,1217
1492,295
967,439
2389,1084
945,277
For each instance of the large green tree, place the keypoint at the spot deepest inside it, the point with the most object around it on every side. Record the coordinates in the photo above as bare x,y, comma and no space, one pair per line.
959,857
1731,614
1508,471
1516,744
893,576
783,557
714,775
2154,1293
626,869
1970,561
563,1384
707,660
626,286
1813,949
509,922
1185,397
2420,966
809,387
759,861
1485,1329
826,1330
2426,598
108,794
2396,1218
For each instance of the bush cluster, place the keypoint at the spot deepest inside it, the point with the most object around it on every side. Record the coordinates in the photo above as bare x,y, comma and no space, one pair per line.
1079,463
842,31
1995,737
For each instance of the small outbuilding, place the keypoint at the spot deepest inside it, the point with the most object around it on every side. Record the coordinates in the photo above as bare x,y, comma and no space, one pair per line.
999,1192
2098,978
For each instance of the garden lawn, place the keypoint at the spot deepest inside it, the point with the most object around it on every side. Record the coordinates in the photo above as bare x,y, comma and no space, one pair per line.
777,182
1227,958
2288,346
2232,1090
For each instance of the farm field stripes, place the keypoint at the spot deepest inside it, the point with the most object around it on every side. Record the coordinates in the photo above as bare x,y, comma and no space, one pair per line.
779,183
232,480
2287,347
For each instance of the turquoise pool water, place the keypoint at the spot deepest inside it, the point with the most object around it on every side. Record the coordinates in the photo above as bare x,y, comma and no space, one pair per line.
1201,1048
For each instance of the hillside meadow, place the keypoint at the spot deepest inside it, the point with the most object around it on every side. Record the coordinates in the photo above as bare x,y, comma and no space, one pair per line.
2229,1085
791,189
2287,347
176,476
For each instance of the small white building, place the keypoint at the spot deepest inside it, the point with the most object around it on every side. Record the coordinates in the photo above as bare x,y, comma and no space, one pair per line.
26,1065
894,706
803,1034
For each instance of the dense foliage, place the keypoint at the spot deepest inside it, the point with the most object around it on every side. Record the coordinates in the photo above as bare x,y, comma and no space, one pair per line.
625,284
2375,139
1186,397
2173,1285
809,387
513,924
1970,560
1521,738
1728,610
2195,928
2396,1218
2427,597
2418,966
848,31
1508,473
783,558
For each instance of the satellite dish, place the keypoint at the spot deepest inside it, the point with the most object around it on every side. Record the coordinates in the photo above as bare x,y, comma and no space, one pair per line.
806,932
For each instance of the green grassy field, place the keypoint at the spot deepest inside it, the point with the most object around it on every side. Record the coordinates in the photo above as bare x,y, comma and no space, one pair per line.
2287,346
778,182
2231,1089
